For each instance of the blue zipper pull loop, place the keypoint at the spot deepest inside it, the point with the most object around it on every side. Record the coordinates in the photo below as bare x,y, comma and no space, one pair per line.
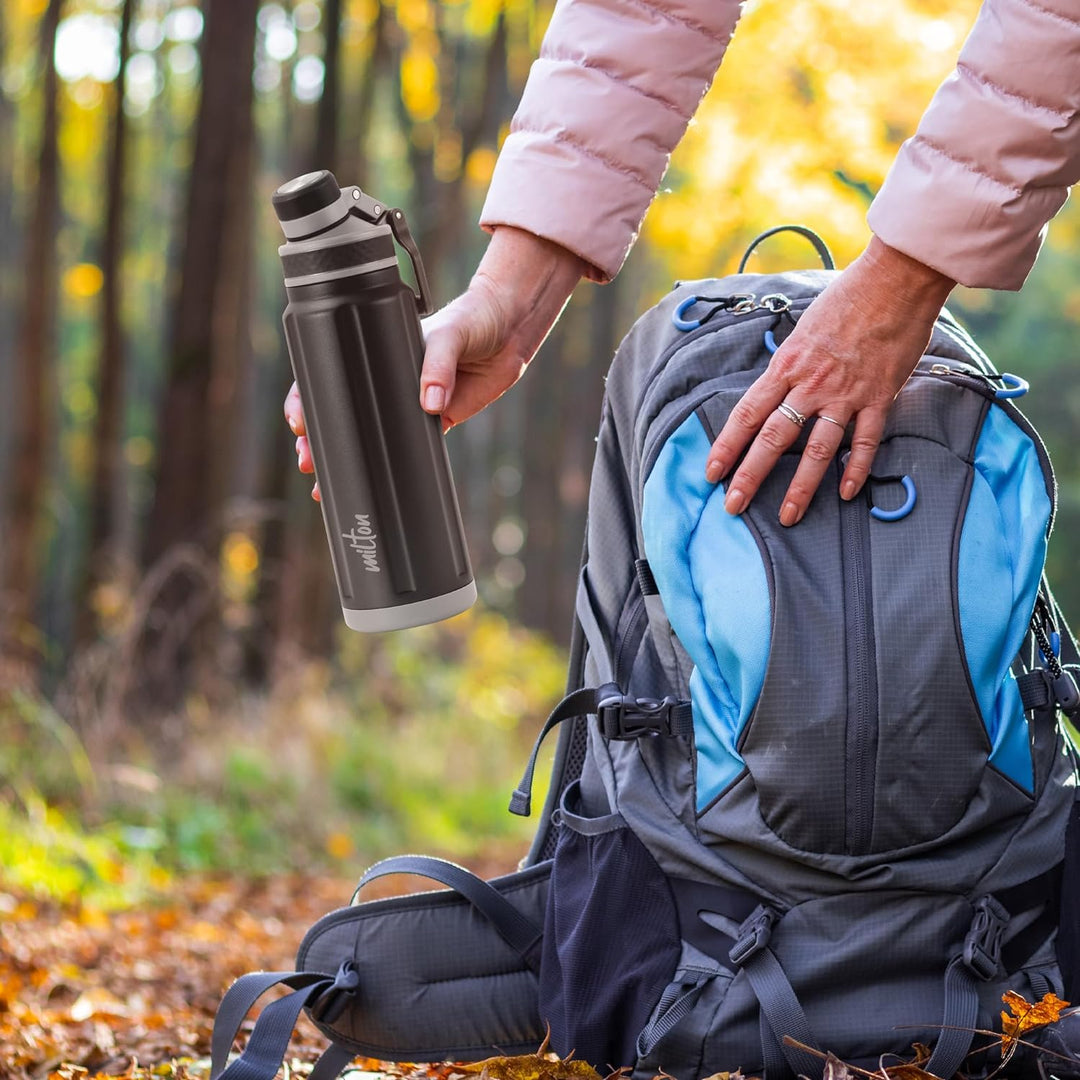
1013,387
738,304
900,512
770,342
677,317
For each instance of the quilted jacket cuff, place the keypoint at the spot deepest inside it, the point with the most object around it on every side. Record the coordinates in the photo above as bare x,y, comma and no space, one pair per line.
538,186
959,221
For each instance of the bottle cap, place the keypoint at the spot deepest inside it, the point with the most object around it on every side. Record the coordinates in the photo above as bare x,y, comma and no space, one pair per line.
306,195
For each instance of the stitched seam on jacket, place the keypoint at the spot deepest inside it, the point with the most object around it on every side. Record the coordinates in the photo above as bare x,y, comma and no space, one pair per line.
1050,13
1012,95
968,166
585,151
682,20
620,80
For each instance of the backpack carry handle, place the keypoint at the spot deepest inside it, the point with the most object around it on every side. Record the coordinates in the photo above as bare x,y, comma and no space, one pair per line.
819,245
518,931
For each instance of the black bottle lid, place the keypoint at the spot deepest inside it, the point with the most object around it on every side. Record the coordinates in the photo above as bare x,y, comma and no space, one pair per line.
305,195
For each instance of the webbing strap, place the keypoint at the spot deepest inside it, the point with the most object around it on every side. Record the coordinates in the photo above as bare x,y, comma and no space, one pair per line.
959,1023
619,716
772,1051
781,1014
1034,687
519,932
579,703
331,1062
238,1000
270,1038
676,1003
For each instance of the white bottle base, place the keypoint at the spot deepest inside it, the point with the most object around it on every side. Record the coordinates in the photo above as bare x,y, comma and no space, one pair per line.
402,616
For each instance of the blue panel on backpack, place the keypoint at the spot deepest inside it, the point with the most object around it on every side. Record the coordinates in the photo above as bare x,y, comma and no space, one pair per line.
1000,563
711,576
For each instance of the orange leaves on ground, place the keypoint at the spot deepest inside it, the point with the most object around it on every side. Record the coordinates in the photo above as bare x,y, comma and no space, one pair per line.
539,1066
84,992
132,995
1023,1016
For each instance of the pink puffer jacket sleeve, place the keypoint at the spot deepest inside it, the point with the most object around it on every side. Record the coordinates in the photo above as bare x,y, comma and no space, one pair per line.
970,194
615,85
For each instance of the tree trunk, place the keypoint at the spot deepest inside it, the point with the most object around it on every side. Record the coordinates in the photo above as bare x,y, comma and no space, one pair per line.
478,126
326,121
541,459
305,605
9,258
356,122
110,383
35,367
186,487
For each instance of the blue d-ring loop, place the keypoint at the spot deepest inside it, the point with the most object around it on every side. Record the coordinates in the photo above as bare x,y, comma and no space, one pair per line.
1014,386
680,311
900,511
770,342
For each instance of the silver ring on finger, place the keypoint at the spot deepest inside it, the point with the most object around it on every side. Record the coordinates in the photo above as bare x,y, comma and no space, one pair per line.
822,416
793,415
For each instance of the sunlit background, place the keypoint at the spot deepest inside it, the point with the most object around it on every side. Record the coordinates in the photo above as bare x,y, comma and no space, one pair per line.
175,678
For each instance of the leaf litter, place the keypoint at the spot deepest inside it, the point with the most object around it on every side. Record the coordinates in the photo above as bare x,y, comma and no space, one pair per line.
132,995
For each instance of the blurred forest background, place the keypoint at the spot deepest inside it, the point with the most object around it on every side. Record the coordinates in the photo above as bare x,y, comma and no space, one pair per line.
175,680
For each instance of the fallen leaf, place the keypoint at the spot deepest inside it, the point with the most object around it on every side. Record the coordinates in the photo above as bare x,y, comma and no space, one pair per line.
532,1067
1026,1016
97,1001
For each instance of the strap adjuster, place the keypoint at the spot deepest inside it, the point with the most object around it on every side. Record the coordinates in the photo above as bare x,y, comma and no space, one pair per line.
1065,691
331,1003
622,717
754,934
982,946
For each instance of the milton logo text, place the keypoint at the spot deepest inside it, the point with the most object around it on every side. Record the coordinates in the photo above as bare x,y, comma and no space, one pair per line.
362,540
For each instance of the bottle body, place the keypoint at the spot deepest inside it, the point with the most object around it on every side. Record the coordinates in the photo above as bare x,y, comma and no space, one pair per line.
388,500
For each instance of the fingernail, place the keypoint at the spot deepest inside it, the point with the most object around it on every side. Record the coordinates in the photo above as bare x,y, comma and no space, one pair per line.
847,490
713,472
434,399
315,493
735,502
790,514
292,424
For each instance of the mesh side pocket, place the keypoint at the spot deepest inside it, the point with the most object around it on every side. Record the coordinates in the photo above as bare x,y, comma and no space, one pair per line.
1068,935
611,938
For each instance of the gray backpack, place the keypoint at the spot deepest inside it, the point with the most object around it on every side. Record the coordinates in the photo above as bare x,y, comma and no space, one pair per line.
813,789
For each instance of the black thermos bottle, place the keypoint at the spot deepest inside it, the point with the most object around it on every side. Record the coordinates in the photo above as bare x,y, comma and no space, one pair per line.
353,331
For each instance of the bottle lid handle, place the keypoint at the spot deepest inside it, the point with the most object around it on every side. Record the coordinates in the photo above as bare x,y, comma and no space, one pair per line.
400,228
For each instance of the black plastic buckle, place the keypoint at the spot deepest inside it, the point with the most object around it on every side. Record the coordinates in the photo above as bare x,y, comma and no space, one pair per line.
754,935
622,717
982,946
1065,692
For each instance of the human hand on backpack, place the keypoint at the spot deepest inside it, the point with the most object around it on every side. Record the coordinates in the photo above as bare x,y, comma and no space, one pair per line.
479,345
853,349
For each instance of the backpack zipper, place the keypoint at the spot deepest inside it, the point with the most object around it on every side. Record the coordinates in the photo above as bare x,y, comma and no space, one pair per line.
861,739
632,628
721,322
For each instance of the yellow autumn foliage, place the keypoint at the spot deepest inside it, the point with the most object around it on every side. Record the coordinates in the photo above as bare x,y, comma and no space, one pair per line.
801,124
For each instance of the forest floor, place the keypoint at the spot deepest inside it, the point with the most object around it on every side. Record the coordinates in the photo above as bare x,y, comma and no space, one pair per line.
132,994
